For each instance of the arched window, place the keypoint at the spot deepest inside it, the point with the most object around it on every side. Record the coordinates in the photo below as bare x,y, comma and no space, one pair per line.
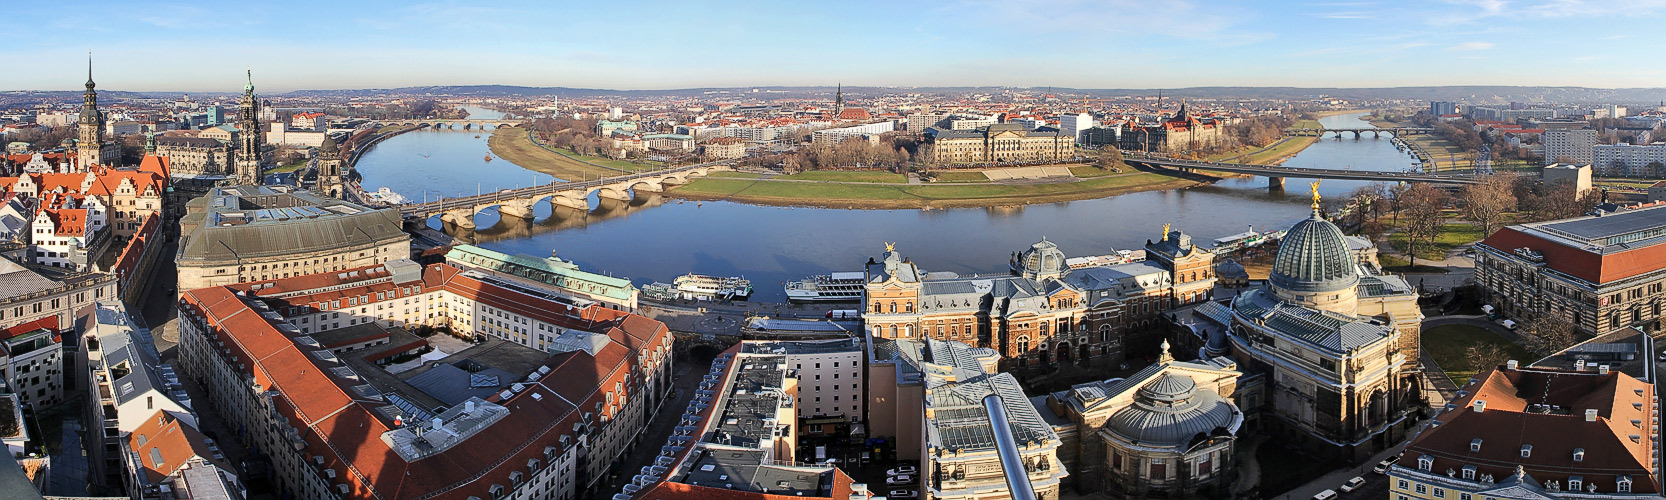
876,307
893,331
908,331
878,331
1104,333
1044,329
1023,344
908,307
893,307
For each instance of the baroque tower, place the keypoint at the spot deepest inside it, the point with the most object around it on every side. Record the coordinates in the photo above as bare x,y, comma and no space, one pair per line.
838,100
249,137
331,169
89,148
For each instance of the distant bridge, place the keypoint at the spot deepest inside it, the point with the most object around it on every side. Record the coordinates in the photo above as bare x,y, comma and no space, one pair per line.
460,123
1276,174
521,202
1375,132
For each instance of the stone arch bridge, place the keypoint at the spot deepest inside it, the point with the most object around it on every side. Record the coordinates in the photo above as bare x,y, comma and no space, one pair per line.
522,202
462,124
1375,132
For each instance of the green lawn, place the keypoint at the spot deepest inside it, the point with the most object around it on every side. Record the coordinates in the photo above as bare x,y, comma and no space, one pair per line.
1447,345
288,168
843,176
1456,233
811,192
734,175
962,177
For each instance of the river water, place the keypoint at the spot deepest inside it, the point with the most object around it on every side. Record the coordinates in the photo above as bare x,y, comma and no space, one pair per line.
656,239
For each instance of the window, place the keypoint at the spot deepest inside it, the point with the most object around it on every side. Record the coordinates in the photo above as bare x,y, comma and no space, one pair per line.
1402,484
1421,488
1576,483
1159,469
1475,444
1465,496
1579,454
1440,493
1623,484
1469,472
1425,462
1526,451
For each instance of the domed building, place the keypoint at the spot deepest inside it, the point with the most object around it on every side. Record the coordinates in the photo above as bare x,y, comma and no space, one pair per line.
1333,338
1166,431
332,170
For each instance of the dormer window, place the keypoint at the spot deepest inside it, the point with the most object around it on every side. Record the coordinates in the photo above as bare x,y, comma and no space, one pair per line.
1579,454
1623,484
1526,451
1475,445
1425,462
1576,483
1469,472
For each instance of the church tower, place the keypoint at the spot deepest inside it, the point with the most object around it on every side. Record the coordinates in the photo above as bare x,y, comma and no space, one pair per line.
839,100
331,169
249,137
89,150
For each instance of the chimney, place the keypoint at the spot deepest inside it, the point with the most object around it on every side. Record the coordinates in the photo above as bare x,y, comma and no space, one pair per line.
1510,365
1579,365
1590,414
1480,406
1602,369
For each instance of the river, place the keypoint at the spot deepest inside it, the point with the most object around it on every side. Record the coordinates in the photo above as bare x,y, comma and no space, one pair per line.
656,239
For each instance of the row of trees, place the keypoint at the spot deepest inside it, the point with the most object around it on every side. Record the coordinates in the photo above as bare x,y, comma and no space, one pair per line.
1489,205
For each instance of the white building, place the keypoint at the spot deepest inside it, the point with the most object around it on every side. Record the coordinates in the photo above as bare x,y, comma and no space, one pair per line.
1074,124
831,136
1628,160
831,389
127,384
33,363
1569,145
68,232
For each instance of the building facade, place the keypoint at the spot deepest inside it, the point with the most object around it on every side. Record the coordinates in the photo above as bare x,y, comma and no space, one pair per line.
999,143
1576,146
1179,133
196,156
550,272
550,429
1601,274
1043,312
250,140
1167,431
1629,160
248,233
831,389
1509,438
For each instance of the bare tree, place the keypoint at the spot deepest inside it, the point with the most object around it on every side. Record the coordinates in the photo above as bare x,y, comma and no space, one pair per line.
1546,334
1109,159
1424,205
1485,203
1484,357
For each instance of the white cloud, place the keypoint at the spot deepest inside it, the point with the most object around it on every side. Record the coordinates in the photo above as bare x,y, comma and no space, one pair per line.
1471,46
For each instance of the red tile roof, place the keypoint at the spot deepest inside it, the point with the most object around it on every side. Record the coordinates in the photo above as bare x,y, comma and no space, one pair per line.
346,432
1580,263
173,440
68,221
1507,423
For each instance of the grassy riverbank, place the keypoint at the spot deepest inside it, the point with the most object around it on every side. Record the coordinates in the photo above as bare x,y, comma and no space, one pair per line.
935,195
511,143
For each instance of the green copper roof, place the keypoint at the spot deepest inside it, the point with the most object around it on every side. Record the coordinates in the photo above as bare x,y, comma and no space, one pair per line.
1314,257
554,272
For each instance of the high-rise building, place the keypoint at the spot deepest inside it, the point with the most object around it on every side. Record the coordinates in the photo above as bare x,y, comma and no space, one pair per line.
1441,108
249,138
1569,145
1074,124
1629,160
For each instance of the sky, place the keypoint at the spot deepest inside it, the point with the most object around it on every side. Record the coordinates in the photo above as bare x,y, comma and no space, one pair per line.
356,44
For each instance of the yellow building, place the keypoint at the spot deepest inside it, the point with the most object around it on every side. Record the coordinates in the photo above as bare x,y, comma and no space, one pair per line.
999,143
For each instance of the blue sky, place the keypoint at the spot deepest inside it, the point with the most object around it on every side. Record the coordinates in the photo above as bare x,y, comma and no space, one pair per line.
303,44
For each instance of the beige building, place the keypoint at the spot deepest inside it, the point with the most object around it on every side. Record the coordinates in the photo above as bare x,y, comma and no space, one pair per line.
1044,312
1601,274
931,392
999,143
195,156
1139,437
1579,176
722,148
247,233
1332,340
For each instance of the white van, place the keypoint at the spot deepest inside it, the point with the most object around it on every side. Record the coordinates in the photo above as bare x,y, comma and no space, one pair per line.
1325,495
1509,323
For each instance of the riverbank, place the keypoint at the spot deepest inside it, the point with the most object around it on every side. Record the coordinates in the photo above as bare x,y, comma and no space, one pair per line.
886,196
513,144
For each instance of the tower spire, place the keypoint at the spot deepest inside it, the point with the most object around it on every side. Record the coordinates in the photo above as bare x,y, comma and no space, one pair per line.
89,68
250,86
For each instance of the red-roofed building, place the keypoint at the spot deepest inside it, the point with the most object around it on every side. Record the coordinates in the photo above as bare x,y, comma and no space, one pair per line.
168,451
1537,433
1601,274
331,430
68,232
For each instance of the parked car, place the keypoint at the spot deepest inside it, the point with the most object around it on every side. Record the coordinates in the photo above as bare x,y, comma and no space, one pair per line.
903,494
902,469
1353,484
1382,467
1325,495
902,479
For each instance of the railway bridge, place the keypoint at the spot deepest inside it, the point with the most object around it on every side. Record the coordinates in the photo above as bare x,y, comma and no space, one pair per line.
1275,174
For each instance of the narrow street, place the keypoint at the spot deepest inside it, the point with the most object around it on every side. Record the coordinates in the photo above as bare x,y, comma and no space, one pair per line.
686,379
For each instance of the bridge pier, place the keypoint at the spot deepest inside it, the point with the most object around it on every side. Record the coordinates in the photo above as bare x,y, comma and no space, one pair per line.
560,201
461,217
613,194
1356,134
1275,184
520,209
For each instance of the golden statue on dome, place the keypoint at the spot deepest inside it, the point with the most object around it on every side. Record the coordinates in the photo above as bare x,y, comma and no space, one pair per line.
1314,188
890,246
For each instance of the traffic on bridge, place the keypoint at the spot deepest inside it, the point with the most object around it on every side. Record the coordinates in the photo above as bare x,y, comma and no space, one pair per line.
562,190
1276,173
